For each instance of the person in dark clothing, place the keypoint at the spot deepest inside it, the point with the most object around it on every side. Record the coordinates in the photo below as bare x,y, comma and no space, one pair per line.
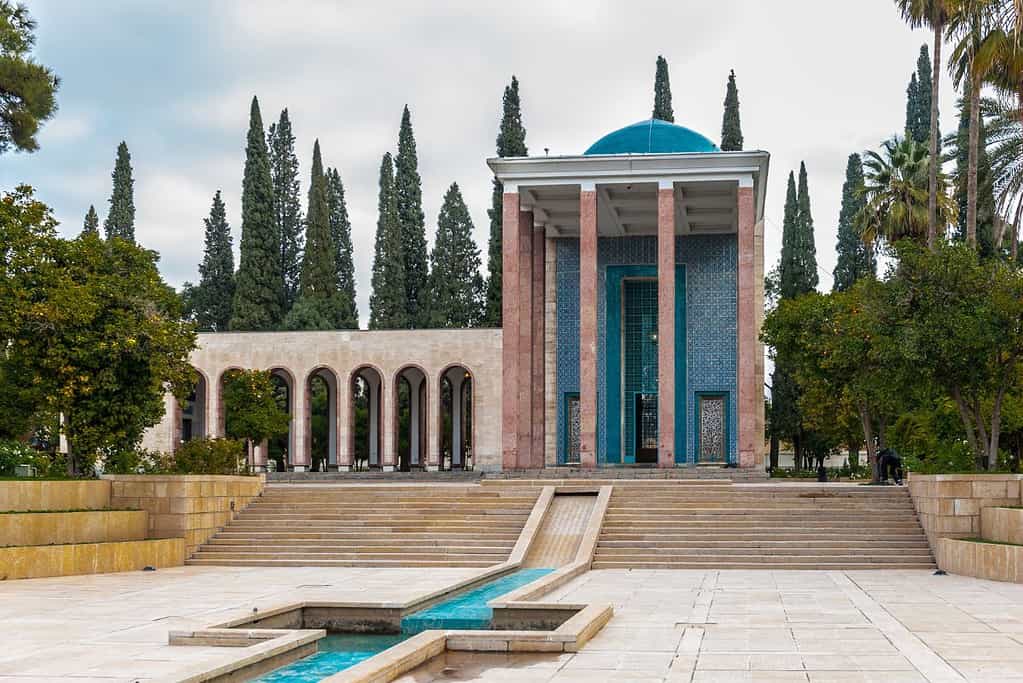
889,465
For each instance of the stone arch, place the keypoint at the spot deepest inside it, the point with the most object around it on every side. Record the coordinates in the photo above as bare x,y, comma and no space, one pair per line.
410,413
456,417
283,449
191,418
321,412
365,416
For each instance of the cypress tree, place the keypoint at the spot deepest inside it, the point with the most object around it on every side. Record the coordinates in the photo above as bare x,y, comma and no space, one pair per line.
408,194
511,142
923,100
120,221
287,204
662,92
258,298
731,128
316,307
212,298
798,269
387,305
455,281
855,258
986,210
91,224
807,246
912,106
341,236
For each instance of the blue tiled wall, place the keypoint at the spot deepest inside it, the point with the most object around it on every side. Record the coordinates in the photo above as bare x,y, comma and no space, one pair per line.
711,264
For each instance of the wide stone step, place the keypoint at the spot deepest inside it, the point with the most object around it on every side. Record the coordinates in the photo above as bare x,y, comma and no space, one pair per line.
337,563
761,563
488,558
753,524
809,543
375,528
355,551
251,539
756,549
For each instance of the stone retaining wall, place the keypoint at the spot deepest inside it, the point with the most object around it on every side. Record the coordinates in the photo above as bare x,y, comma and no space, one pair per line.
55,528
31,494
192,507
949,505
1004,525
994,561
33,562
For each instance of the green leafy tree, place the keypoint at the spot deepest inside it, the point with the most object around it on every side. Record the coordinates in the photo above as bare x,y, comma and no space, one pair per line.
251,408
120,221
731,127
855,257
456,286
210,301
408,198
662,92
318,300
258,297
91,223
27,89
387,304
341,236
511,142
287,204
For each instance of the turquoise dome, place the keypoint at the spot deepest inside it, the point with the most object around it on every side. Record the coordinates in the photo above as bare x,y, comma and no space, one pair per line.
652,137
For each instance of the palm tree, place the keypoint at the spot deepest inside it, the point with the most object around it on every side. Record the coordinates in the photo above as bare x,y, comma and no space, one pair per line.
896,189
970,22
933,14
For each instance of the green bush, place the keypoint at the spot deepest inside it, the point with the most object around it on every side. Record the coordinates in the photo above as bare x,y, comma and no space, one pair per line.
13,453
134,461
207,456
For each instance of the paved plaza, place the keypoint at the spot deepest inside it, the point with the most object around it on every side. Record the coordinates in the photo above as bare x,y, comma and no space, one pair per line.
888,626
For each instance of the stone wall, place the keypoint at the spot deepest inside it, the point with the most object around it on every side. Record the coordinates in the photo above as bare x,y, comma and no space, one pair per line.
949,505
994,561
26,495
32,562
192,507
1002,525
52,528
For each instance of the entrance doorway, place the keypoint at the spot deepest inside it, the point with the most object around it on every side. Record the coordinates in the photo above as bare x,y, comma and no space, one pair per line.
646,429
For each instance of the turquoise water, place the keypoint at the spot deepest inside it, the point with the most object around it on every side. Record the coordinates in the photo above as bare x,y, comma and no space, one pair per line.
339,651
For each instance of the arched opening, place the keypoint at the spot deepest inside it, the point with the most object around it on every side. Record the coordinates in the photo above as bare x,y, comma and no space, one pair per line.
365,417
456,418
410,421
281,449
321,394
192,413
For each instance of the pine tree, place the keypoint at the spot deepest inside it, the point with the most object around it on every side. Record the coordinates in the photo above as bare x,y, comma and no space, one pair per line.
855,258
91,224
258,299
287,204
986,210
731,128
456,286
408,196
387,304
511,142
212,298
120,221
662,92
341,236
316,307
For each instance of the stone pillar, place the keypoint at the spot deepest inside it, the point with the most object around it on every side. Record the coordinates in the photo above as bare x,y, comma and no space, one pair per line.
525,363
433,424
414,408
538,351
588,326
510,331
746,330
666,325
298,443
374,404
214,409
457,379
390,424
343,417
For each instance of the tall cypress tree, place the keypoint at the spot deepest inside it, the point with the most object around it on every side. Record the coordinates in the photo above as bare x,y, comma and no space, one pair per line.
258,298
408,195
731,127
662,92
511,142
388,308
212,298
807,246
855,258
798,269
287,204
456,286
918,99
91,224
120,221
341,236
316,307
912,106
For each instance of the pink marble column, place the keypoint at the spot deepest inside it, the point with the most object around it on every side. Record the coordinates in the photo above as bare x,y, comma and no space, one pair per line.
510,331
746,329
525,363
588,327
666,327
537,318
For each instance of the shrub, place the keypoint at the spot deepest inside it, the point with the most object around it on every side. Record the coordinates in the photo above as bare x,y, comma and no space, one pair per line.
207,456
13,453
134,461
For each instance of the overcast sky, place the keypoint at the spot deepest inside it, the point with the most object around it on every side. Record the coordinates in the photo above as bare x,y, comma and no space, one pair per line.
818,79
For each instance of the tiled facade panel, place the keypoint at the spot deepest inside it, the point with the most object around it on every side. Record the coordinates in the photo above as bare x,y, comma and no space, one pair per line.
710,270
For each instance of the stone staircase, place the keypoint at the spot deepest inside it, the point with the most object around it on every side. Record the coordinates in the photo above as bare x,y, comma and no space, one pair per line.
761,526
373,525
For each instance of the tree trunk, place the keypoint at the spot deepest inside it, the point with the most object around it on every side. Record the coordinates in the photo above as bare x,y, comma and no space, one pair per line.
774,452
996,430
932,170
882,433
964,415
971,169
868,438
797,451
